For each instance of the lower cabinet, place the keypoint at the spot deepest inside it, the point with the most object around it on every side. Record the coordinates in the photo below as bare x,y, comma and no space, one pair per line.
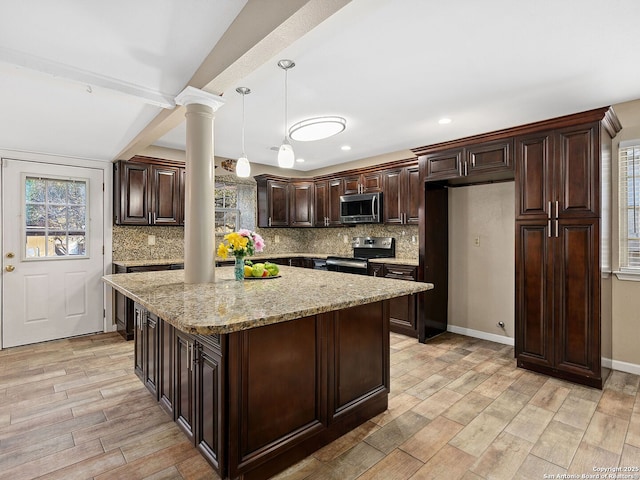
402,310
183,372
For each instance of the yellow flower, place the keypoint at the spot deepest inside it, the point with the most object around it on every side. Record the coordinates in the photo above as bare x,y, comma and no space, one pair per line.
222,250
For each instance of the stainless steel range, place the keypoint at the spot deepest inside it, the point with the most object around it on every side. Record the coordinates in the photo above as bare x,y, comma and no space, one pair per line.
364,248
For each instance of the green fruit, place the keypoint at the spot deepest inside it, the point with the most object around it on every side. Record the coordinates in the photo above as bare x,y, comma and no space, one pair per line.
257,269
272,268
248,271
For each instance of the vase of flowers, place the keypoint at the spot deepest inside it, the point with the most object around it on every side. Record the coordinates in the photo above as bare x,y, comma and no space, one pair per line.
240,244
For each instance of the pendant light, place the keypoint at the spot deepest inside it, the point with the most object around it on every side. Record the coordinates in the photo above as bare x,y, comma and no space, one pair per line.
243,168
286,157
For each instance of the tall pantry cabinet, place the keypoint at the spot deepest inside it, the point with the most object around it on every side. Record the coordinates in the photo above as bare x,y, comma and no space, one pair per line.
563,187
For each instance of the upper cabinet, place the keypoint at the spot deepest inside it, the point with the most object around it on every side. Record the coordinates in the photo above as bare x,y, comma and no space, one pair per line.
273,202
301,204
315,202
471,162
362,183
148,191
327,202
402,189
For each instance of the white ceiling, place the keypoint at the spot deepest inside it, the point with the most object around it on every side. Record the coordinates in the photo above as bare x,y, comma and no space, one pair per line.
392,68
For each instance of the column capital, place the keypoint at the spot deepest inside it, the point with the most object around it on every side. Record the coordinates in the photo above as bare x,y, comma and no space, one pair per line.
194,95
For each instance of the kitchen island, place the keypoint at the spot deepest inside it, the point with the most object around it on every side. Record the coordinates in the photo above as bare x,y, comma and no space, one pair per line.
261,373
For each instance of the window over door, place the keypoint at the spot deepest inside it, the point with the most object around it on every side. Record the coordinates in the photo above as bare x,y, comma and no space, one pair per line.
629,201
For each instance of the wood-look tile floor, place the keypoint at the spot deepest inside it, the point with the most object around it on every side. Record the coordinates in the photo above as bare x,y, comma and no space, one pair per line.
459,409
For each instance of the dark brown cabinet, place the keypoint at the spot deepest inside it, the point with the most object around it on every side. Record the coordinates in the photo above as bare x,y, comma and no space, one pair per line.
147,192
402,195
301,204
184,402
402,310
558,250
490,160
327,202
273,202
124,307
146,348
362,183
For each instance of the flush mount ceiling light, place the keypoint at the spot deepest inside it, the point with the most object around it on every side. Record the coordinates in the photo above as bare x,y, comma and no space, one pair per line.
286,157
444,121
243,168
317,128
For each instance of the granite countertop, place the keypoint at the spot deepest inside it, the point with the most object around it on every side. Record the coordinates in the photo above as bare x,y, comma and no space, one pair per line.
227,305
263,256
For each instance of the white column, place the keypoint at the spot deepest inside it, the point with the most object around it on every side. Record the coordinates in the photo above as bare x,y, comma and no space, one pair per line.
199,235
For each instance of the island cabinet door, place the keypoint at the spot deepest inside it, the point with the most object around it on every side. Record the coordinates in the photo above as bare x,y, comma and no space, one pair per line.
139,314
358,359
275,395
150,353
184,404
165,365
210,412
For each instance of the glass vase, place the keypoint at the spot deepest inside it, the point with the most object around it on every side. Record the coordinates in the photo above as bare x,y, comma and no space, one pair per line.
238,269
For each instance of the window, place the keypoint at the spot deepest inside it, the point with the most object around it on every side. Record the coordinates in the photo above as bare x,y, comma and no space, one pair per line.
629,200
227,212
55,217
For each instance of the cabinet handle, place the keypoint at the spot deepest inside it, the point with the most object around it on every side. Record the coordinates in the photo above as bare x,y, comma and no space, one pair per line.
549,211
466,169
269,221
556,210
393,272
149,218
189,356
549,228
154,218
557,229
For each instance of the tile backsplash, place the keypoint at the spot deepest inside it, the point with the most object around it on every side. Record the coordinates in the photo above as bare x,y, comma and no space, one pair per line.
131,243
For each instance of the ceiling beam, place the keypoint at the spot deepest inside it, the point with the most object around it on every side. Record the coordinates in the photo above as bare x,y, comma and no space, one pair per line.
261,30
85,77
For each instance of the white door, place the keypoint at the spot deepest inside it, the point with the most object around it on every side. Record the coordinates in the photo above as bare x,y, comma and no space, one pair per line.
52,251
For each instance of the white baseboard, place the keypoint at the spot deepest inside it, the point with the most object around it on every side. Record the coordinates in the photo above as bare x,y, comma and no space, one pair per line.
482,335
621,366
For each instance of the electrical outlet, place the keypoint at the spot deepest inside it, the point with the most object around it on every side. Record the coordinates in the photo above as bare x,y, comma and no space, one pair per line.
151,240
345,239
276,239
476,241
414,239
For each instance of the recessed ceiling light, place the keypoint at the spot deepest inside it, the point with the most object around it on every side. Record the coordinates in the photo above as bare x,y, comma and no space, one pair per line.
300,160
444,121
346,148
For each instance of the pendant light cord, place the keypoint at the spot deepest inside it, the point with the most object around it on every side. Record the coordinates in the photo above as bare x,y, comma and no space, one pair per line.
243,153
286,72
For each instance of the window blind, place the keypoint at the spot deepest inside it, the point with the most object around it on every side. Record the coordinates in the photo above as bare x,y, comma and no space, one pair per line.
629,201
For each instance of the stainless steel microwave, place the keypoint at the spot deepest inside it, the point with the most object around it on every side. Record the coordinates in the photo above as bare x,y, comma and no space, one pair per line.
361,208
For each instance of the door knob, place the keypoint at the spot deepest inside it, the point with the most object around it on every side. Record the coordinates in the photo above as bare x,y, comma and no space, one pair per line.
9,268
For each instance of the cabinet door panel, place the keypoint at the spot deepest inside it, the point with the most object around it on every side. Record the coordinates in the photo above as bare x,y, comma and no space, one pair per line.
138,336
371,182
166,195
210,416
150,355
278,203
489,157
579,172
333,202
393,200
534,175
134,193
351,184
578,297
165,365
444,165
301,204
184,404
413,194
534,294
320,200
